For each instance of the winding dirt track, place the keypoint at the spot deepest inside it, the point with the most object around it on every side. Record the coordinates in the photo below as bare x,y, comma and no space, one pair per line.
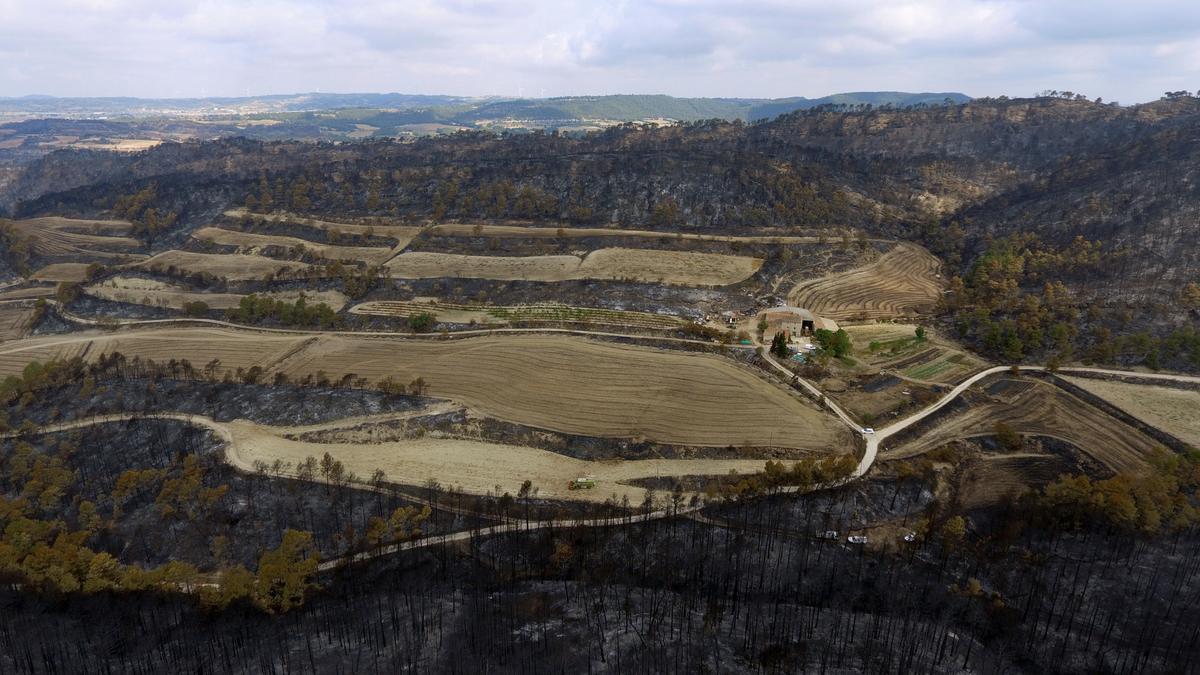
1044,411
477,467
239,460
901,282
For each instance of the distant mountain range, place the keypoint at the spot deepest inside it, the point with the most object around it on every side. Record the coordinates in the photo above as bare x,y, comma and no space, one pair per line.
467,111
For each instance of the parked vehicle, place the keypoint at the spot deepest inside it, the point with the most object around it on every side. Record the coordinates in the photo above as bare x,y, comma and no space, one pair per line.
582,484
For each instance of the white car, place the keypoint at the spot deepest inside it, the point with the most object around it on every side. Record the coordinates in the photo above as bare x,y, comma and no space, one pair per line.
910,537
857,539
868,430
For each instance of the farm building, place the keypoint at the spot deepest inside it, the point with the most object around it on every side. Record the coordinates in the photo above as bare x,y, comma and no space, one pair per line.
796,321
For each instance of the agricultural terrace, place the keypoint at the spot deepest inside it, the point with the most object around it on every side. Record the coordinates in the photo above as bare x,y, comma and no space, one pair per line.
156,293
532,232
401,234
669,267
547,313
27,293
1043,410
230,267
566,384
896,348
476,466
59,272
902,282
372,255
15,318
92,239
1175,411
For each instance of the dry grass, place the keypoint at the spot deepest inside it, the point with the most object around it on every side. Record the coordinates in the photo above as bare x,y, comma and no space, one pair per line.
586,387
1175,411
477,466
118,145
230,267
901,282
250,242
198,345
566,384
93,239
57,272
155,293
669,267
995,479
1042,410
401,234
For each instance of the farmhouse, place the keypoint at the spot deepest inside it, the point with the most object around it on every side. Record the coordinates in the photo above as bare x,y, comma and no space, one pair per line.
796,321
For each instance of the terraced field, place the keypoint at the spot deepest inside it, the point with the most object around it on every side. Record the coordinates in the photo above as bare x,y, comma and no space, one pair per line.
56,272
14,320
1045,411
1175,411
549,313
199,345
565,384
230,267
902,282
669,267
372,255
401,234
92,239
532,232
155,293
27,293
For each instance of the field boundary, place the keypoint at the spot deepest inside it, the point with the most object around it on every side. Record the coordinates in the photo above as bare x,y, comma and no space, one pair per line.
1112,410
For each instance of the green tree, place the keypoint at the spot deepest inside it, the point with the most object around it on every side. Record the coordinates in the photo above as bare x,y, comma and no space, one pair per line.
779,344
421,322
286,573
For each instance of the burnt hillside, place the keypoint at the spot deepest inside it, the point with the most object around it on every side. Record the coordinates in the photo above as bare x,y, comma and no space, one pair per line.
1033,174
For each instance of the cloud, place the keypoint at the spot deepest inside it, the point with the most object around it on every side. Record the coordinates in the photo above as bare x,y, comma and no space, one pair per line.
761,48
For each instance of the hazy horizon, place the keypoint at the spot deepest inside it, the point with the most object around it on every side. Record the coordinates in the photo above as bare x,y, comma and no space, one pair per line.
535,49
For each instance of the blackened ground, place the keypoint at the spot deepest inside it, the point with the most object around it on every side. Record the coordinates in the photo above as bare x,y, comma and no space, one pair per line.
671,596
265,404
149,528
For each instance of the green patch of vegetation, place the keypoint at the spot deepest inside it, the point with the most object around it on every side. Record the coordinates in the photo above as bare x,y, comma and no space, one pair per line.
195,308
257,308
422,322
836,344
1161,499
926,370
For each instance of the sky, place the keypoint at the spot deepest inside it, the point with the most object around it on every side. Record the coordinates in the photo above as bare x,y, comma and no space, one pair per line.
1128,51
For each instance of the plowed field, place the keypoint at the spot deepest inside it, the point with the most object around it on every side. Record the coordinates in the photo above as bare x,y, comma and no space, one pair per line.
902,282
